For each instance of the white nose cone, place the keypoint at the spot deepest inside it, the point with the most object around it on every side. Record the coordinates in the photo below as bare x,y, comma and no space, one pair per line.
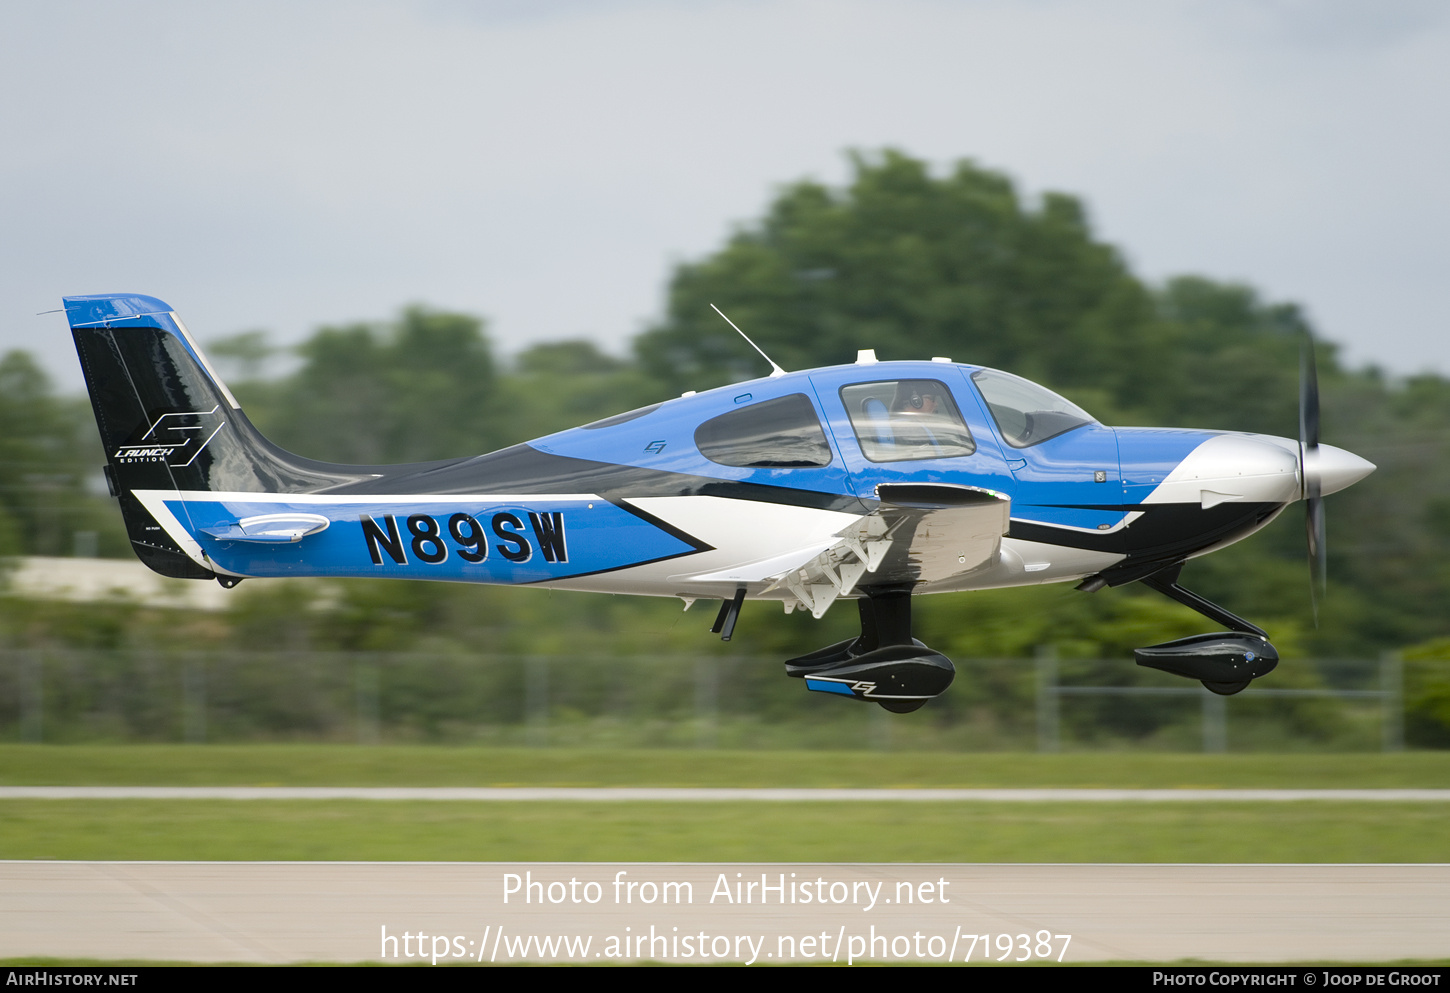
1232,468
1256,468
1336,468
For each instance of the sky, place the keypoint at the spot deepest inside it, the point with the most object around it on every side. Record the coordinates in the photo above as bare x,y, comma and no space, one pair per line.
282,165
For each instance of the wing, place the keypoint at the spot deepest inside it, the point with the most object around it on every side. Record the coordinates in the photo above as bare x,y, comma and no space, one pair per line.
920,533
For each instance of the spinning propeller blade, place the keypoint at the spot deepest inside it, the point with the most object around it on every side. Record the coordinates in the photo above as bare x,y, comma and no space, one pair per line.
1309,471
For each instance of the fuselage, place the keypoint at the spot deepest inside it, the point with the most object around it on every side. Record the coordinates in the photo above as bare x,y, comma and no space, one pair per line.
698,496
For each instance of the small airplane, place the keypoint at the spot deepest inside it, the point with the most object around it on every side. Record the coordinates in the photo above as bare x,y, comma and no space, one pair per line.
874,482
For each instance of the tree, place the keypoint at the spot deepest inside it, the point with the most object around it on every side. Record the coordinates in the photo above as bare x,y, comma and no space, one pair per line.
915,265
422,387
563,384
48,455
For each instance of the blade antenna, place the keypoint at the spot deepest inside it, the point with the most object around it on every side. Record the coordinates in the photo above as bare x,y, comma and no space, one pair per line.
775,370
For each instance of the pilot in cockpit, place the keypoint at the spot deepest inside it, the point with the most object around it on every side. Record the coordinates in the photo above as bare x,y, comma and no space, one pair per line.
910,399
916,415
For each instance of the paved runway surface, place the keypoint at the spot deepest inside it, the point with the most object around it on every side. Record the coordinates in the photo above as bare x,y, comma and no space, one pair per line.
352,912
704,795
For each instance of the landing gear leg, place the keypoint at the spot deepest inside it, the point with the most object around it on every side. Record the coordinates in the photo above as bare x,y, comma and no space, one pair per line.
1224,662
884,664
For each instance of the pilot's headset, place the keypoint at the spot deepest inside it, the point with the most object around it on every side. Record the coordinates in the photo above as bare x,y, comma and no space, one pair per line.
909,397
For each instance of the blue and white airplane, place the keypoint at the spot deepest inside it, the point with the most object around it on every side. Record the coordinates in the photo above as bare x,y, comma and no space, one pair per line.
871,482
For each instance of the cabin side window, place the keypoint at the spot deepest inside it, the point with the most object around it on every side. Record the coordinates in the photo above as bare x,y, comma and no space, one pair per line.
1026,413
906,419
783,433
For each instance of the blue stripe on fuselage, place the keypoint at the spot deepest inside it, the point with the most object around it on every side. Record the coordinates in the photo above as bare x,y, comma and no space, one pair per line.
1148,455
517,541
1053,488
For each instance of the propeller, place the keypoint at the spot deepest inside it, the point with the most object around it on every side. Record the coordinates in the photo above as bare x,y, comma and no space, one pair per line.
1309,472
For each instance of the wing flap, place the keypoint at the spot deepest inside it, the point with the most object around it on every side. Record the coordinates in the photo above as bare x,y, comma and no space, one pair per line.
939,530
920,533
762,569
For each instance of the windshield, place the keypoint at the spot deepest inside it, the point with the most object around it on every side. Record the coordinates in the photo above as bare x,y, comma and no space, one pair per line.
1026,413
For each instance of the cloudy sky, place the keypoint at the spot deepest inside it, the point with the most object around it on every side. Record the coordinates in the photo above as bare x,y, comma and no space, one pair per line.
279,165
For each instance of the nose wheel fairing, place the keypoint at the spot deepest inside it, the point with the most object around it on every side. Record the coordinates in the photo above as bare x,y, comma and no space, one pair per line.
1220,659
1225,662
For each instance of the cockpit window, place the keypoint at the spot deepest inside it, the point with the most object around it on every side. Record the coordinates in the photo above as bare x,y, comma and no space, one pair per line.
779,434
1026,413
905,419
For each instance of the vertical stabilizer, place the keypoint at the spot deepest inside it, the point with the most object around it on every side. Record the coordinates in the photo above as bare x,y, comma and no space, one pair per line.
168,422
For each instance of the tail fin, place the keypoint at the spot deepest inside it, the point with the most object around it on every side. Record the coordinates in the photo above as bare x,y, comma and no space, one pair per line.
168,422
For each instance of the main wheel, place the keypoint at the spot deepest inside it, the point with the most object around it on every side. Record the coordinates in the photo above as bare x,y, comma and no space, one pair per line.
1225,689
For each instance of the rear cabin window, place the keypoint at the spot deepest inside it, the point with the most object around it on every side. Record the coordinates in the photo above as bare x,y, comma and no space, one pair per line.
906,419
782,433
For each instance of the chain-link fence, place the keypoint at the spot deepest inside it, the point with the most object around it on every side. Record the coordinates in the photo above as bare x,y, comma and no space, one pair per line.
368,698
1344,702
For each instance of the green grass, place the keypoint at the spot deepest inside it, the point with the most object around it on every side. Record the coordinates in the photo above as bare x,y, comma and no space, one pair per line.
854,832
349,765
693,832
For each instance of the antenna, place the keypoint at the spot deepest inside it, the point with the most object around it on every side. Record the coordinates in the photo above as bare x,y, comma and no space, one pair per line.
775,370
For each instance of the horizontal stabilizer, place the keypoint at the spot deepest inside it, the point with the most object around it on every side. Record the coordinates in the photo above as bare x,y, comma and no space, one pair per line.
269,528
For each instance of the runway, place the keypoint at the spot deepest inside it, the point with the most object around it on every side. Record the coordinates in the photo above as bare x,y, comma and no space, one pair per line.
697,913
714,795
